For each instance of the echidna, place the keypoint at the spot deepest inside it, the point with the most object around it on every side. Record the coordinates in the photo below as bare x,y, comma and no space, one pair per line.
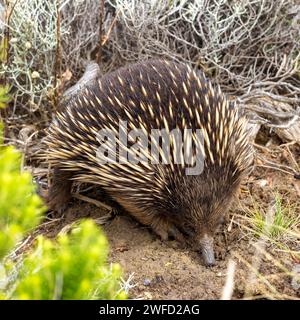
153,95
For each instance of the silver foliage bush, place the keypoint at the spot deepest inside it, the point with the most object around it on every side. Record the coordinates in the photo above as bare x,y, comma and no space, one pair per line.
251,47
243,44
32,46
33,42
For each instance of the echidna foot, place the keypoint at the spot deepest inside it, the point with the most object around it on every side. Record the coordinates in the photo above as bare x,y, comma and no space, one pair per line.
59,193
58,206
166,230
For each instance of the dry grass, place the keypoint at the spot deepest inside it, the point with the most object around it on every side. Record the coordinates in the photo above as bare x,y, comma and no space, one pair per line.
273,270
279,224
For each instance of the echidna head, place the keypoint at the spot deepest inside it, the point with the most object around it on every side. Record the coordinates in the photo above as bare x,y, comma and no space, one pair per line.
203,203
206,215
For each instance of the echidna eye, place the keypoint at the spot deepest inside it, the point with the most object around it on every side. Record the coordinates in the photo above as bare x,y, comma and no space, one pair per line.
189,230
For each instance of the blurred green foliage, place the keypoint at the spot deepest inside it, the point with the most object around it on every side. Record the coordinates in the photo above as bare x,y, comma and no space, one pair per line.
20,207
73,266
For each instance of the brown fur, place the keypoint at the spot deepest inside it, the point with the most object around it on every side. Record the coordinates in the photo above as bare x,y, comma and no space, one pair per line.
59,193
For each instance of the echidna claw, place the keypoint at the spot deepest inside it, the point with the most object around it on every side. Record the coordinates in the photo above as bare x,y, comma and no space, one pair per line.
166,231
176,234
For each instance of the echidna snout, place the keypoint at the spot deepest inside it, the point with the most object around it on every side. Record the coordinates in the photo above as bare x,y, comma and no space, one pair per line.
207,250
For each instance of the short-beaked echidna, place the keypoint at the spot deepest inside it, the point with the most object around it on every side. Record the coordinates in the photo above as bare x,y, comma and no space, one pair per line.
151,95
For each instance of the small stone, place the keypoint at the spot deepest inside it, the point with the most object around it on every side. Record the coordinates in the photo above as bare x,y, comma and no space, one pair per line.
296,277
262,183
158,279
147,282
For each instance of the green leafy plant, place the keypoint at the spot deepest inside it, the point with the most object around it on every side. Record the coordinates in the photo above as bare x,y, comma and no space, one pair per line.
20,207
73,267
283,220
